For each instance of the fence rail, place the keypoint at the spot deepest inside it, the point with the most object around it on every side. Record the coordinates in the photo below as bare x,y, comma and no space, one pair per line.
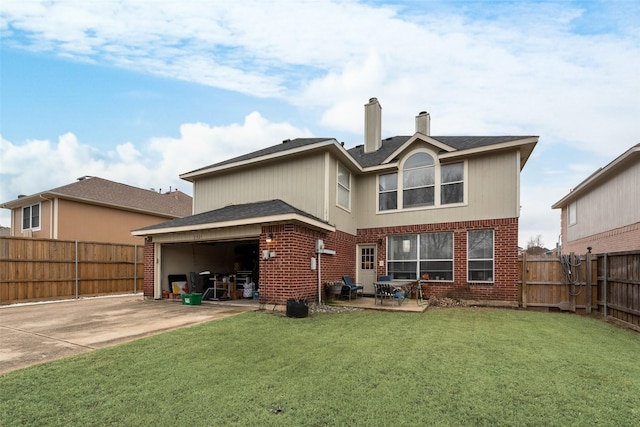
44,269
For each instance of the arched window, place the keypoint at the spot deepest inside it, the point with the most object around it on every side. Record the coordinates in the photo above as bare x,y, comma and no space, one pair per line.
418,181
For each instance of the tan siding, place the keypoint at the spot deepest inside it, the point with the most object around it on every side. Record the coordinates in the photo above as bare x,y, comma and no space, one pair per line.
78,221
344,220
299,182
491,193
613,204
493,189
45,231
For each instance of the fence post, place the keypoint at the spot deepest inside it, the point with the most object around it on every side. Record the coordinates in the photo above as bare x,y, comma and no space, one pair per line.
604,284
524,280
135,268
76,269
587,295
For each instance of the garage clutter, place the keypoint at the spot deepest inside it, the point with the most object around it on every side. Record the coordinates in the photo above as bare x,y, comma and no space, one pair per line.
208,286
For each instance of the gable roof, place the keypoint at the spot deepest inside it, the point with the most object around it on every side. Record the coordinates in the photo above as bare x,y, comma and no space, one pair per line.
450,146
601,175
99,191
455,146
287,147
268,211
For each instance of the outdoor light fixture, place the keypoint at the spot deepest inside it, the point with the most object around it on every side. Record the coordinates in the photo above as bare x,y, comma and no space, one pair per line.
269,238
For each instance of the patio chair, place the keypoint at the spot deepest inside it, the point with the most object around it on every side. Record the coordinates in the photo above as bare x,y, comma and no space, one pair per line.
382,291
347,292
354,286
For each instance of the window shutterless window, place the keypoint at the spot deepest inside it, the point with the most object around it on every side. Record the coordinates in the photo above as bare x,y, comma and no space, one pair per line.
388,191
480,256
572,216
452,183
31,217
436,255
409,256
344,187
418,181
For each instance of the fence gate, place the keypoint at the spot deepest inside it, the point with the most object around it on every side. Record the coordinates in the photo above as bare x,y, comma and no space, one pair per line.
566,282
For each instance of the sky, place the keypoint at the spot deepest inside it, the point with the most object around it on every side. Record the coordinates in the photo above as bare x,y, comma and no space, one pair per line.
140,92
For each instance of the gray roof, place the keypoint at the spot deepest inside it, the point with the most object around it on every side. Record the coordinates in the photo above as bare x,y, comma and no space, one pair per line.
390,145
287,144
235,212
105,192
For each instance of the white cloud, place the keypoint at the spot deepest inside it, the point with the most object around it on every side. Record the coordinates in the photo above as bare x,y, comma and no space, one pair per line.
564,71
157,165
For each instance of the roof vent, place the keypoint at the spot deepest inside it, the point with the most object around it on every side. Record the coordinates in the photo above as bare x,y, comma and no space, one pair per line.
82,178
20,196
284,141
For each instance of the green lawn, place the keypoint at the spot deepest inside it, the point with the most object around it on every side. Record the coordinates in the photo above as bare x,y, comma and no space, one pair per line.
459,366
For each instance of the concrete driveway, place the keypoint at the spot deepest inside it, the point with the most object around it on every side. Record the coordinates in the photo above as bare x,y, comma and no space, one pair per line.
37,333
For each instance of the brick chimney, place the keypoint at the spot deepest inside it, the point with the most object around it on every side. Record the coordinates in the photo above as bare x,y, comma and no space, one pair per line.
423,123
372,126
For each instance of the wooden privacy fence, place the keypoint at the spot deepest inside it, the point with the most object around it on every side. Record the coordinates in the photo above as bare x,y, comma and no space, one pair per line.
44,269
610,282
619,288
566,283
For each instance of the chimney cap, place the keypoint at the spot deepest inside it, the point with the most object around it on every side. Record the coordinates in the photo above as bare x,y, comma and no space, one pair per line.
374,99
422,113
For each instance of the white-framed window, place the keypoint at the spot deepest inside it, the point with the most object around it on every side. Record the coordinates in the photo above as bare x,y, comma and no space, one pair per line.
572,215
480,261
452,183
388,191
344,187
410,256
436,255
31,217
418,181
422,182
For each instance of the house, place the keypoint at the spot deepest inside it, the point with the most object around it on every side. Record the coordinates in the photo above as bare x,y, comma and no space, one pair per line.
603,211
308,211
94,209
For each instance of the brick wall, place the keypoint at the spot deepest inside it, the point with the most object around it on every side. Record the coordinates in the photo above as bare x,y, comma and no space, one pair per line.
505,286
149,255
289,274
618,240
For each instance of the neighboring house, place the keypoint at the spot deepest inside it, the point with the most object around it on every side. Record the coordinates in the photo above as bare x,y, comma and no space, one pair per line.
403,206
94,209
603,211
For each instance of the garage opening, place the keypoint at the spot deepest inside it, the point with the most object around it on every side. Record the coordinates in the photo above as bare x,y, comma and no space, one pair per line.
220,270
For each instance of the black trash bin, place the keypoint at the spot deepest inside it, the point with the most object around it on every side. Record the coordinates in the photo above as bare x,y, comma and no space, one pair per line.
297,308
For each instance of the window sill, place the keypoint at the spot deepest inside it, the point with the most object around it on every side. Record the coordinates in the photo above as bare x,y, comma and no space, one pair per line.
422,208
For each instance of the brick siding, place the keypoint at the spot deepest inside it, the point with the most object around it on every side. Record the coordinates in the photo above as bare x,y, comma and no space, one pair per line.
505,285
618,240
289,275
149,256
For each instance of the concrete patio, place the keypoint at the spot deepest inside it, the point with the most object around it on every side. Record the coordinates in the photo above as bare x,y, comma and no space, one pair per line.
368,303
